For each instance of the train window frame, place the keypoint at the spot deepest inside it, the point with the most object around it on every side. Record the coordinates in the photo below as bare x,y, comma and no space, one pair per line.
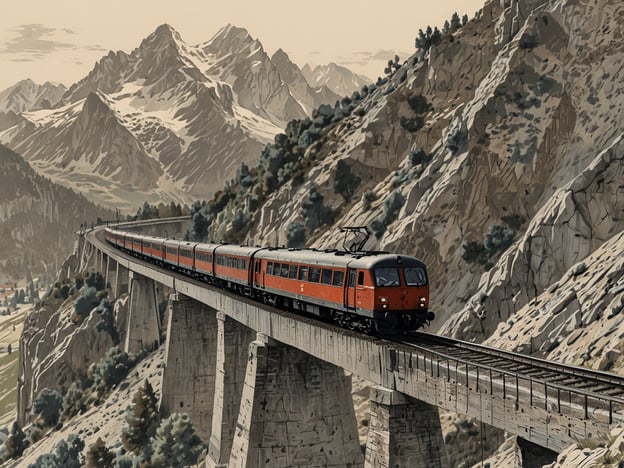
335,280
292,271
276,268
314,272
351,279
284,270
383,278
303,273
326,276
269,270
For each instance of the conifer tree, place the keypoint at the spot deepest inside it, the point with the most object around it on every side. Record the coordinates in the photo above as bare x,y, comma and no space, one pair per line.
142,419
175,442
16,442
100,456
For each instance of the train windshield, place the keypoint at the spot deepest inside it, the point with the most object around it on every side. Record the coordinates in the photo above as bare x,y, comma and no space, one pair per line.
415,276
387,277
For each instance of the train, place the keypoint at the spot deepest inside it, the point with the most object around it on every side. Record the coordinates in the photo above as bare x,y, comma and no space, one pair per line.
372,292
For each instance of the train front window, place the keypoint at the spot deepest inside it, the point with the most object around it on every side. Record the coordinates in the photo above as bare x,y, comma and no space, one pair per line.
387,277
415,276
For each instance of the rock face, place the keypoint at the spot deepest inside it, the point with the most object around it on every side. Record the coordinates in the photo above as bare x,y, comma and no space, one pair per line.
54,351
519,118
338,79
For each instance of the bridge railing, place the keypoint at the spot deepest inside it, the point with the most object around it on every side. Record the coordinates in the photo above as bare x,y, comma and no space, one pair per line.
521,388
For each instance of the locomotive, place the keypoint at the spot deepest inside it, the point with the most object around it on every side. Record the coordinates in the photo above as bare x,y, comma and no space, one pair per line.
365,291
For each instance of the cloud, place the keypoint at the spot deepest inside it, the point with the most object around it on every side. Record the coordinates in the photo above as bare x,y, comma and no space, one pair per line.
34,41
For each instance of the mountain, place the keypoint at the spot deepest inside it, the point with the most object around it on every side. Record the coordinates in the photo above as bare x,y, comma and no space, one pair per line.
38,218
494,155
168,121
27,95
339,79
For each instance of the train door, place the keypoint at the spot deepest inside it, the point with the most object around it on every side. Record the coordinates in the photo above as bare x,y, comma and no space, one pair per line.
350,289
258,277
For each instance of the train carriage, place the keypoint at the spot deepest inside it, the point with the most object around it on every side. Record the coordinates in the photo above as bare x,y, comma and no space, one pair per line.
232,264
204,258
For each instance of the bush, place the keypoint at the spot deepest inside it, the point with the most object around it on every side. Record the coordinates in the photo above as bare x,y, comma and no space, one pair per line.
392,206
345,182
73,402
419,104
498,238
16,443
48,406
66,454
238,221
85,303
95,280
367,199
314,212
412,124
295,235
111,370
175,442
418,156
107,323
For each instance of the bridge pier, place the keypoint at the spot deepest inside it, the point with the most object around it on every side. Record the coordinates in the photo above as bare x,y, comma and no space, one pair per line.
143,331
295,410
403,432
110,276
232,344
122,281
188,381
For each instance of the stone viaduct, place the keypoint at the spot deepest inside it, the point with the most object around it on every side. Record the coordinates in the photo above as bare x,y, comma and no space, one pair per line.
268,388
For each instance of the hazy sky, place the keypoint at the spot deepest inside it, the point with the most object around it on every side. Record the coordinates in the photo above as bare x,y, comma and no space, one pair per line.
61,40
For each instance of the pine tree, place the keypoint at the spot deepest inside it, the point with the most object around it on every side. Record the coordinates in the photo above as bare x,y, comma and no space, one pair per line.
345,182
16,442
100,456
48,406
175,442
142,419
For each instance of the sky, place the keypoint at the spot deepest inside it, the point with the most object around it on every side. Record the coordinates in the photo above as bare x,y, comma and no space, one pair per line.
61,40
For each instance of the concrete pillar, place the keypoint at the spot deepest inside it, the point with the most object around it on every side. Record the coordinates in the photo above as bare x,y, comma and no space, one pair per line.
110,276
295,410
403,432
232,344
189,376
122,281
143,331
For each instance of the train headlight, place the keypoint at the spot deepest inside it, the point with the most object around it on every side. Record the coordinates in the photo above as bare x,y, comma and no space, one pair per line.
423,302
383,300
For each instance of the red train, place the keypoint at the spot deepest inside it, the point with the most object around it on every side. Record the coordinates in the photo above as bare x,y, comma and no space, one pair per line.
363,291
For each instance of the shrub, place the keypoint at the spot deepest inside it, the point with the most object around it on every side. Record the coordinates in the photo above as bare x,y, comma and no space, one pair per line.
412,124
418,156
238,221
175,442
16,443
514,221
367,199
419,104
314,212
345,182
475,252
95,280
73,402
66,454
392,206
85,303
107,323
111,370
295,235
498,238
48,406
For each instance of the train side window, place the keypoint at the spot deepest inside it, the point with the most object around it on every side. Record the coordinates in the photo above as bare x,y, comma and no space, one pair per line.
284,273
276,269
338,278
292,273
314,275
257,266
351,278
270,268
326,276
360,278
303,273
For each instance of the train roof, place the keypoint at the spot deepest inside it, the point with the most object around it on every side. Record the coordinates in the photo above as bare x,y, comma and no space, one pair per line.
240,250
338,259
